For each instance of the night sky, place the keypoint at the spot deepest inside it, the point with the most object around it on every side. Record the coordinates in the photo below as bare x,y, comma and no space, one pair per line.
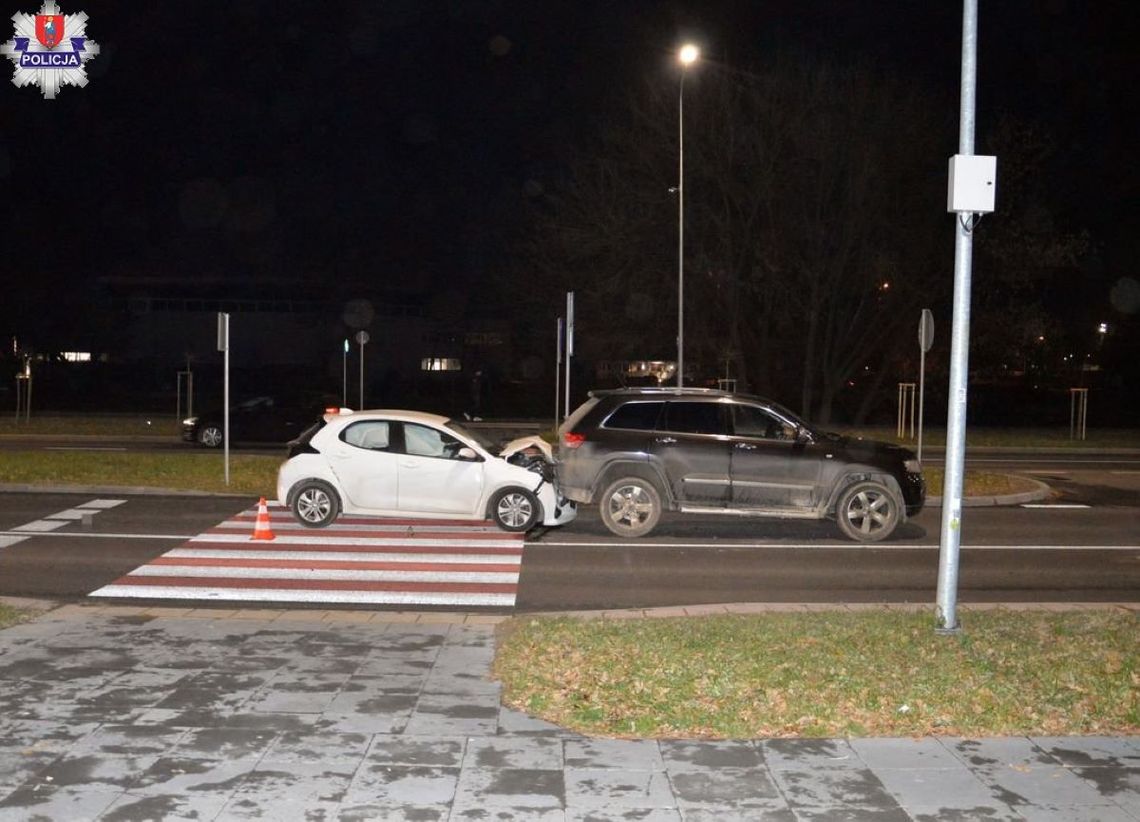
395,143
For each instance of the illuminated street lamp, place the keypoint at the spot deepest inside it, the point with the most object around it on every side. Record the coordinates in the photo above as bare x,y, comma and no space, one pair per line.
688,55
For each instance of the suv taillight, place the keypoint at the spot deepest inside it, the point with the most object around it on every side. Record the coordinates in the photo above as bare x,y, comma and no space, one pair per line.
572,439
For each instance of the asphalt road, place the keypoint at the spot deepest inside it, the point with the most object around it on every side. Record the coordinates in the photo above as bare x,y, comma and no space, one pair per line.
1081,546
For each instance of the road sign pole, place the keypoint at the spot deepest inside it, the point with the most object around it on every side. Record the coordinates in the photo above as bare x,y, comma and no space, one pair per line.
557,371
925,340
224,346
361,337
569,345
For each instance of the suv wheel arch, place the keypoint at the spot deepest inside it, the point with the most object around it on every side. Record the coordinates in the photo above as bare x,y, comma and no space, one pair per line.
645,470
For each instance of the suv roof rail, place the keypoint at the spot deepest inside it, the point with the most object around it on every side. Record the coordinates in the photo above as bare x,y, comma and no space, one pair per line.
663,390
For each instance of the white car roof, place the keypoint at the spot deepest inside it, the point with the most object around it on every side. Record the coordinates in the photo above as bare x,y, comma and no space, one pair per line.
347,415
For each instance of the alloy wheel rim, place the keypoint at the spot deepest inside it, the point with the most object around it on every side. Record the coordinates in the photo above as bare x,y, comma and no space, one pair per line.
630,504
514,510
313,506
869,512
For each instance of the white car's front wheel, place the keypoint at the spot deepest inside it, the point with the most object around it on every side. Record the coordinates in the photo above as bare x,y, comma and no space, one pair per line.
515,509
315,504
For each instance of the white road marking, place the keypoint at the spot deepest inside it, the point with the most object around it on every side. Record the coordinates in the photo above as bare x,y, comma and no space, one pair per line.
309,596
41,525
344,556
94,535
845,546
239,572
53,521
328,538
82,448
1053,505
72,514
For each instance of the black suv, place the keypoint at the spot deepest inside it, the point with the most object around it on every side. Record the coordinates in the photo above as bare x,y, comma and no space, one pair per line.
637,452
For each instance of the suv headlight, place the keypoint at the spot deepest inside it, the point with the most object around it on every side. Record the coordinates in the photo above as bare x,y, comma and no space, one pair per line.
913,466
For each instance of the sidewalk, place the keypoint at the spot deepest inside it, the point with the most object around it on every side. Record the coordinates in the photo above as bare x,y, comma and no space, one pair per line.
132,713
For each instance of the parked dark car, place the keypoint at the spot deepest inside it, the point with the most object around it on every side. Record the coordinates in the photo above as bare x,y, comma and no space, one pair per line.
258,419
638,452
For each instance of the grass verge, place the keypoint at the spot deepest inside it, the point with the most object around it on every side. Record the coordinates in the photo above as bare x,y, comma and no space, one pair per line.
10,616
255,475
874,673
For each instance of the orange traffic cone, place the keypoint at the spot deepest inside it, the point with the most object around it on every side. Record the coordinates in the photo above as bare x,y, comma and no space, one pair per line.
261,527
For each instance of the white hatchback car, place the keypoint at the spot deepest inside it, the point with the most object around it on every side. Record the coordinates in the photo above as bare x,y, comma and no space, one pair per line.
414,464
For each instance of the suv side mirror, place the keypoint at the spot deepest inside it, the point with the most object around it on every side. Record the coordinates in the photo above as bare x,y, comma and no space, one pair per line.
803,435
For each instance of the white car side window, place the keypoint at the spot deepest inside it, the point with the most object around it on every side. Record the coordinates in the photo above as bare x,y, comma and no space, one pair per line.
372,435
422,441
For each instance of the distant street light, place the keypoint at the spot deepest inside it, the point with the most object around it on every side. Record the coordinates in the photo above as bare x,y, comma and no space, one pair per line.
688,55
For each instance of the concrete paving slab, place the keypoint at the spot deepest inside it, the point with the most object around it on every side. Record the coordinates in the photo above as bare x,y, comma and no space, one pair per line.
619,754
681,756
166,715
617,788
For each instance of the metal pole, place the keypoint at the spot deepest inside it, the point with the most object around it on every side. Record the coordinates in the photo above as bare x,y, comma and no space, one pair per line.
950,540
921,396
557,370
361,406
226,401
681,233
569,346
344,375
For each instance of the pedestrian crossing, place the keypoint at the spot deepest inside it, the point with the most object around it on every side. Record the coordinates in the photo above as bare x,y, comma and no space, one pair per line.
355,561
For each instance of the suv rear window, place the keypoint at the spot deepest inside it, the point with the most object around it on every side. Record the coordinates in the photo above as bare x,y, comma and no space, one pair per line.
696,418
635,416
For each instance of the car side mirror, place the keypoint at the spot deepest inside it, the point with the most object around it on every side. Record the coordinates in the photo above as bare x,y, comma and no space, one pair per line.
466,453
803,435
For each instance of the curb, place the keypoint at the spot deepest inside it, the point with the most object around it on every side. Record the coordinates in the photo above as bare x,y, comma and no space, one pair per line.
137,490
1042,491
83,610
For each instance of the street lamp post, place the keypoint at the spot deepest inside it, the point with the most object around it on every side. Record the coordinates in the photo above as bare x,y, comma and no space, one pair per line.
688,55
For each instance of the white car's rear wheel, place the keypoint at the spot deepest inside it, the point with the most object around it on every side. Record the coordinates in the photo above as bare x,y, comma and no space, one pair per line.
315,504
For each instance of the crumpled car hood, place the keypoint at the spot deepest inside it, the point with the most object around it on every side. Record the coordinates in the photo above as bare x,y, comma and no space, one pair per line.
523,443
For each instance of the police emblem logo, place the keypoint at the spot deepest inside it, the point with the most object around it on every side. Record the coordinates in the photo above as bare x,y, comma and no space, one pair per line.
49,29
50,49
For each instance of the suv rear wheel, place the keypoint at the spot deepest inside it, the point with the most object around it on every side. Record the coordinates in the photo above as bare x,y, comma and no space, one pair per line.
868,511
630,507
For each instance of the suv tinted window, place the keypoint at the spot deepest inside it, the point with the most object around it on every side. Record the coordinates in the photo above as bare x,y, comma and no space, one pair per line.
751,421
695,418
635,416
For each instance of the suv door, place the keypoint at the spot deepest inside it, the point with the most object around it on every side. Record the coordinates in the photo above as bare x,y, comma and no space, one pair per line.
770,468
692,447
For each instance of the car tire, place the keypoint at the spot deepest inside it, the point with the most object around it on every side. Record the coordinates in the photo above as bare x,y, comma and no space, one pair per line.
315,504
211,436
515,509
868,511
630,507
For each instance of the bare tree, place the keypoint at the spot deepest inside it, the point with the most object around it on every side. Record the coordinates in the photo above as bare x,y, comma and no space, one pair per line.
814,207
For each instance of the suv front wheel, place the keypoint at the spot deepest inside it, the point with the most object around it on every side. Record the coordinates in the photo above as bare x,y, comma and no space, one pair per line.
630,507
868,511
